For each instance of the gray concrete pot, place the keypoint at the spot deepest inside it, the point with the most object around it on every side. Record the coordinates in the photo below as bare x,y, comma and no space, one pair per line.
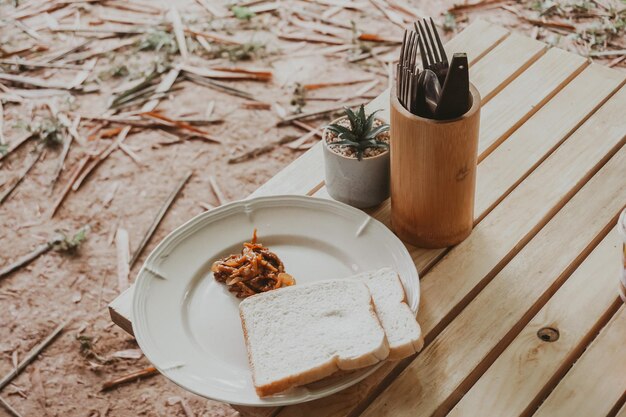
361,184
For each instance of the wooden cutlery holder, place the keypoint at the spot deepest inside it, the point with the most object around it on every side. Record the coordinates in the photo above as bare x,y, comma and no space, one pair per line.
433,175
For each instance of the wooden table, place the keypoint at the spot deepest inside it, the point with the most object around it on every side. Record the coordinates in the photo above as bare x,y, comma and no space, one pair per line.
523,317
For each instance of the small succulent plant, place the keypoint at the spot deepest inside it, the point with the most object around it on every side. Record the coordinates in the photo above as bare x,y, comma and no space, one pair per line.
362,133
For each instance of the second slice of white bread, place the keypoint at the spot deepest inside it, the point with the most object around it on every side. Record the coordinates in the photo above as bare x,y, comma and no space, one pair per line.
301,334
403,332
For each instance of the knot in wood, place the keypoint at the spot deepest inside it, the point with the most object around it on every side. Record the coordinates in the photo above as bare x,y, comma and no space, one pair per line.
548,334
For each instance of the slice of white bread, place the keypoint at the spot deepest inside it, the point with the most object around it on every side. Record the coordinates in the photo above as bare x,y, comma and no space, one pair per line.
301,334
403,332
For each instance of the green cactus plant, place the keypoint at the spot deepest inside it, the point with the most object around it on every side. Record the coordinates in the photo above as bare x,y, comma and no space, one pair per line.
362,133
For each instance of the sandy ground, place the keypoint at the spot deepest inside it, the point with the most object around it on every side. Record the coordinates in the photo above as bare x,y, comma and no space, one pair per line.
65,380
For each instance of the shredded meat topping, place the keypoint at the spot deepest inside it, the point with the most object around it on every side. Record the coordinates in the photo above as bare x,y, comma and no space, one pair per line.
255,270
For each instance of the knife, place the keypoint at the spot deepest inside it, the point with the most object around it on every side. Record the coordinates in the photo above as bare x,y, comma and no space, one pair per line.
455,95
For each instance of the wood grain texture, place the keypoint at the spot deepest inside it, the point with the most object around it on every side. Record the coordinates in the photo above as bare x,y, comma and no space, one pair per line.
563,164
597,381
504,63
496,239
530,366
433,175
542,133
450,365
525,95
477,40
120,310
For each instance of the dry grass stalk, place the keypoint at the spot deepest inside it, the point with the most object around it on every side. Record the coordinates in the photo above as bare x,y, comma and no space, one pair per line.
361,91
144,373
138,121
101,50
296,144
131,154
322,28
213,10
95,161
372,37
345,4
157,220
63,52
74,176
256,105
3,140
544,23
179,33
217,191
72,127
9,190
390,14
34,81
229,73
216,37
122,249
317,86
206,206
132,20
461,7
219,86
329,50
264,8
264,74
31,356
12,411
135,6
324,19
82,76
312,38
35,64
317,113
163,87
616,61
15,145
100,30
25,260
181,125
406,9
247,155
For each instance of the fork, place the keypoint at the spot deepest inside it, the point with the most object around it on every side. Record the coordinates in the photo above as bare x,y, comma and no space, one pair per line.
431,49
407,69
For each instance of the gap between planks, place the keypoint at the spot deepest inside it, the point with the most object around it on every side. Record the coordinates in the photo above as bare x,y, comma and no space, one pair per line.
499,264
421,386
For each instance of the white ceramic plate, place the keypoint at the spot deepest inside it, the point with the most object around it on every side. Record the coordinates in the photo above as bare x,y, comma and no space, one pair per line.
187,324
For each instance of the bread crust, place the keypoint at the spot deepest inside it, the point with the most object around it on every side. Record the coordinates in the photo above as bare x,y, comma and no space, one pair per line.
318,373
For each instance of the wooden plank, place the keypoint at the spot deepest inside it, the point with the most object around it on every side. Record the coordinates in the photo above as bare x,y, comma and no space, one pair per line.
504,63
597,381
530,367
494,241
541,134
306,174
477,39
452,363
525,95
120,310
510,163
